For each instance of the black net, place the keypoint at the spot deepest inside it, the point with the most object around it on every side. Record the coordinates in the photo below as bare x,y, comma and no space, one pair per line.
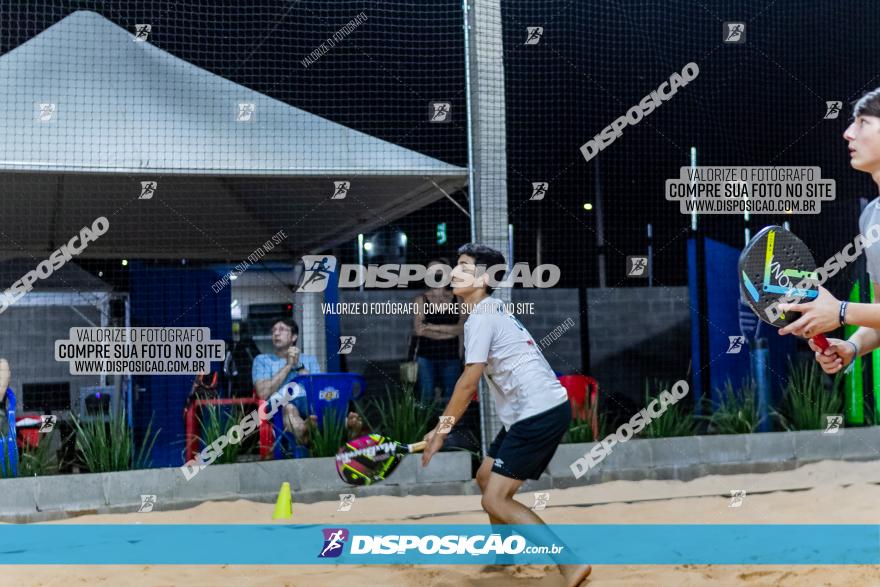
214,152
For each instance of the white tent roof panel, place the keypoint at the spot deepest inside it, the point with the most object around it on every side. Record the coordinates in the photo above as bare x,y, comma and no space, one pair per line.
126,107
129,112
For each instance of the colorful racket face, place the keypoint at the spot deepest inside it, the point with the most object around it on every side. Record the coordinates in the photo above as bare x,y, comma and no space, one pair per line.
367,459
772,266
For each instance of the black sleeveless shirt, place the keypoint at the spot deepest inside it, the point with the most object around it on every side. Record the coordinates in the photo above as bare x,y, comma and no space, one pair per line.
430,348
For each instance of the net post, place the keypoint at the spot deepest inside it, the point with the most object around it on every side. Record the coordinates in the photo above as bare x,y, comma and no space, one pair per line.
487,159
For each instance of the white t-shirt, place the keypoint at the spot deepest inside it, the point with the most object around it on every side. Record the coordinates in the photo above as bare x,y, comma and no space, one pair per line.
870,216
520,378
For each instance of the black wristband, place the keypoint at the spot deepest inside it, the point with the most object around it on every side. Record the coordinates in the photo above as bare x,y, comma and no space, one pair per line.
842,315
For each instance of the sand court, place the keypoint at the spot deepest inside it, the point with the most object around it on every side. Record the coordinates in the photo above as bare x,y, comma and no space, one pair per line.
829,492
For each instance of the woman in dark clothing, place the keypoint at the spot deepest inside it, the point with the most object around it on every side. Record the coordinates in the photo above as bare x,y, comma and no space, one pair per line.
439,324
5,377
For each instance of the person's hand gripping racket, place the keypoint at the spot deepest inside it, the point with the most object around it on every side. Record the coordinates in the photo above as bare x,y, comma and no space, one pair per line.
433,444
840,354
817,317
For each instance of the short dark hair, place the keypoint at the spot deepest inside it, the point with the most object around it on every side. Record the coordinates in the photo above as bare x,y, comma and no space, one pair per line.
289,322
483,255
868,105
440,260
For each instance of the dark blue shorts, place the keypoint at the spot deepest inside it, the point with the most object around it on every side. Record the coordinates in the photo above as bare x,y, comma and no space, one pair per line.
524,451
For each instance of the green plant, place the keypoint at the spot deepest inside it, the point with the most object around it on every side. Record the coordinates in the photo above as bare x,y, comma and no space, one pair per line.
870,415
39,460
327,438
580,429
677,420
805,400
737,412
404,419
215,423
109,446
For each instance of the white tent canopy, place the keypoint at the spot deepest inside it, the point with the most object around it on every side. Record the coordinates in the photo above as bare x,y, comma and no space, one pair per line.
126,112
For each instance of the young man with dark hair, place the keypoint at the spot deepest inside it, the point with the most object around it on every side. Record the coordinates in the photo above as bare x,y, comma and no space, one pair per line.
531,403
827,313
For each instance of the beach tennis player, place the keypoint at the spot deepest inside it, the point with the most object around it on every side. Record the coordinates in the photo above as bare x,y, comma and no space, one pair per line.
827,313
530,402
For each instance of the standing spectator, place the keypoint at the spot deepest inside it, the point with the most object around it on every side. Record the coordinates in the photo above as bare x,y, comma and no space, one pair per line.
5,377
438,324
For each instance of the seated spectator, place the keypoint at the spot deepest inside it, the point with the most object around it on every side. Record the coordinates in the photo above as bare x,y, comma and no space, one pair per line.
272,372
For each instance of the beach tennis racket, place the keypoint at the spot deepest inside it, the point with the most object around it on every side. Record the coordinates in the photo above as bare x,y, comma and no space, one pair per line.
371,458
772,266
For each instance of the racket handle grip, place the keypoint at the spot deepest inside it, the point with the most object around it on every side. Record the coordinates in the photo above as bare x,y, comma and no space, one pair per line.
821,341
417,447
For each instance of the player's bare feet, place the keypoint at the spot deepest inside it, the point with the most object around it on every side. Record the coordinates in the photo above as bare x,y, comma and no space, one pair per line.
576,575
493,569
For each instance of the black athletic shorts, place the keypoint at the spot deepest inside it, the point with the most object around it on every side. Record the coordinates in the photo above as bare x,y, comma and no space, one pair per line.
524,451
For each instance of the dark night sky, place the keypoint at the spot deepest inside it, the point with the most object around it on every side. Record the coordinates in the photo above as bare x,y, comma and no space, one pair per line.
753,104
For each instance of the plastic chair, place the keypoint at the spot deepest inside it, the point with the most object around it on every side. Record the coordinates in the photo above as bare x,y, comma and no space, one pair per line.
8,445
323,391
267,434
576,386
27,427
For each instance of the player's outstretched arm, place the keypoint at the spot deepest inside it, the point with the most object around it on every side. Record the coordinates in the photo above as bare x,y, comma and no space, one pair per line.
863,315
464,390
825,314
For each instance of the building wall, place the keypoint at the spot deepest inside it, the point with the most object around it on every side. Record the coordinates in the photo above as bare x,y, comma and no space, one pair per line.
638,333
27,341
635,333
383,341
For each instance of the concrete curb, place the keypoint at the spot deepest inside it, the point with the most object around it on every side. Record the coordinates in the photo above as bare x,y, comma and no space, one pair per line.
61,496
685,458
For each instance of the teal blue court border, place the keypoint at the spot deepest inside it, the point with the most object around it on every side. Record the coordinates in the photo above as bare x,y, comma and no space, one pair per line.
279,544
